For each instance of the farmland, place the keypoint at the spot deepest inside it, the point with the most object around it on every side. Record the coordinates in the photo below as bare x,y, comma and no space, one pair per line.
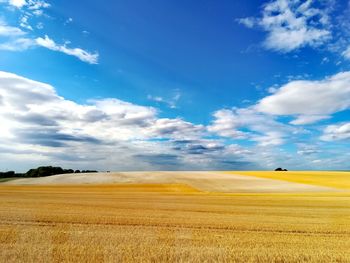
167,222
340,180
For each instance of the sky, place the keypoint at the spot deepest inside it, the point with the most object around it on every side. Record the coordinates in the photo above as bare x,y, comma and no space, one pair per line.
175,85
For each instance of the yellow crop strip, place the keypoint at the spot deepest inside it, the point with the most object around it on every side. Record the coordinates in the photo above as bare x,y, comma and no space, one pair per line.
340,180
170,223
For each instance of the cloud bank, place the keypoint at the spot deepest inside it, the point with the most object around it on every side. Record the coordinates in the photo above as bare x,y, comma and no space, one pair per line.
310,101
41,126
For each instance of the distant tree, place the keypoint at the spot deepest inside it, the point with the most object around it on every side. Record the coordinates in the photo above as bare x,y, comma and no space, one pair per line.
10,173
31,173
7,174
89,171
279,169
43,171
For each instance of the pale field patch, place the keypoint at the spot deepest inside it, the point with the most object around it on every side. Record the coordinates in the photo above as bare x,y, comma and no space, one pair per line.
170,223
213,181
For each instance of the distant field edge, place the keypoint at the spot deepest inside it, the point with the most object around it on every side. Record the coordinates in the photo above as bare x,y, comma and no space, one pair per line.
123,187
4,180
334,179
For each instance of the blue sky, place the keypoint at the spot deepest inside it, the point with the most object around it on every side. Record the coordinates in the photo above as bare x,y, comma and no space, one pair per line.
175,84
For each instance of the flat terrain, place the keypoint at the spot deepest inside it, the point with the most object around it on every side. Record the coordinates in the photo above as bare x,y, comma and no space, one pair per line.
171,223
204,181
338,180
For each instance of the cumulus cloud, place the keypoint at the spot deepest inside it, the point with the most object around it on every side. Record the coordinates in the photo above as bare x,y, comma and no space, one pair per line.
178,128
200,146
15,38
270,138
292,24
257,126
308,119
33,5
45,127
18,3
39,127
18,44
307,149
226,124
37,4
336,132
30,104
310,101
81,54
10,31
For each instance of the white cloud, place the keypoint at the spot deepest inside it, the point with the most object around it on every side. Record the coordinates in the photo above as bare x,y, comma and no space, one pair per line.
83,55
226,124
308,119
247,21
346,53
25,24
310,101
307,150
33,5
37,5
336,132
68,21
36,121
270,138
27,103
178,128
40,25
292,24
14,40
18,3
39,127
170,102
17,44
257,127
10,31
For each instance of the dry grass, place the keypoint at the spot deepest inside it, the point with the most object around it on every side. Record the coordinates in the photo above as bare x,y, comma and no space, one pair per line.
340,180
170,223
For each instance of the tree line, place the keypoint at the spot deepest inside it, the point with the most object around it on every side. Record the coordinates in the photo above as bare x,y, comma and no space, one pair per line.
43,171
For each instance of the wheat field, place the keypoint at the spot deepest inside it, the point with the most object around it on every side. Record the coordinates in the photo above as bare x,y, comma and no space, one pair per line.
340,180
170,223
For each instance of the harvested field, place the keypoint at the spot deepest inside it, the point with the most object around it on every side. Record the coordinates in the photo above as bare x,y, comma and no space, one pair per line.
203,181
170,223
340,180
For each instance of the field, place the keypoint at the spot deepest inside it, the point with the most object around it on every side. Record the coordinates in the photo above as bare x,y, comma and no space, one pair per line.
340,180
2,180
170,222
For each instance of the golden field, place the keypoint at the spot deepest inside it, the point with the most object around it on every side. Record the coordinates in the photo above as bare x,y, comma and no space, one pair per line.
340,180
170,223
